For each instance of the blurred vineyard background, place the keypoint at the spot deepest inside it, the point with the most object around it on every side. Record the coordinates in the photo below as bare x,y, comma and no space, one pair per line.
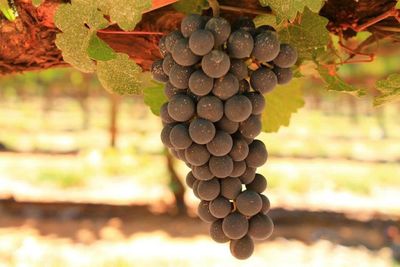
84,180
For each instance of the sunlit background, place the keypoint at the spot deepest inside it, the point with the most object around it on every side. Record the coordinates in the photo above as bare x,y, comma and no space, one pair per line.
76,192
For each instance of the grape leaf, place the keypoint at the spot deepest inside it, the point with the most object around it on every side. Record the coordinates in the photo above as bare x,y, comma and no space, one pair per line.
99,50
389,88
126,13
281,103
120,75
398,4
267,19
309,37
335,83
154,97
73,20
191,6
37,2
8,11
288,9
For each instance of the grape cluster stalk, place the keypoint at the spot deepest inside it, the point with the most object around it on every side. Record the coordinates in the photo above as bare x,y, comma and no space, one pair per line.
213,115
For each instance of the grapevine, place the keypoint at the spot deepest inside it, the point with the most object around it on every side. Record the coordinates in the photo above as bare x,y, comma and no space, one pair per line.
213,116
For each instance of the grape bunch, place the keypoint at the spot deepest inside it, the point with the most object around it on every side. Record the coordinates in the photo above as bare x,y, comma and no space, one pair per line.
215,76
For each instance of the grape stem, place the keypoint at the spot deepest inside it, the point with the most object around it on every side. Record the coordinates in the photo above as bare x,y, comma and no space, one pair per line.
215,7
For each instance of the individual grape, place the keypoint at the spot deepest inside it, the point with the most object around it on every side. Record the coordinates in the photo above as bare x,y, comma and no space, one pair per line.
245,24
162,46
201,131
210,108
259,184
266,205
201,42
251,127
221,144
248,176
165,117
266,46
242,248
216,64
165,135
230,187
257,102
240,149
179,136
179,76
192,23
284,75
220,207
181,155
182,54
264,28
249,203
227,125
170,90
209,190
238,108
239,167
221,167
195,186
204,212
260,227
197,155
190,179
287,56
216,232
202,172
258,154
240,44
235,225
171,39
200,84
226,86
220,28
263,80
168,63
239,69
157,71
181,107
244,86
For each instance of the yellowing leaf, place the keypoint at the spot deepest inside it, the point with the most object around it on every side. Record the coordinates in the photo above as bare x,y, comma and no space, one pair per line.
281,103
120,75
127,13
389,88
73,45
288,9
191,6
309,37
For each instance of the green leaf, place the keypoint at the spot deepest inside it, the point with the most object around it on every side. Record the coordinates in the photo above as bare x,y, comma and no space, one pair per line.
309,37
288,9
154,98
335,83
389,88
398,4
7,10
99,50
37,3
281,104
120,75
191,6
126,13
